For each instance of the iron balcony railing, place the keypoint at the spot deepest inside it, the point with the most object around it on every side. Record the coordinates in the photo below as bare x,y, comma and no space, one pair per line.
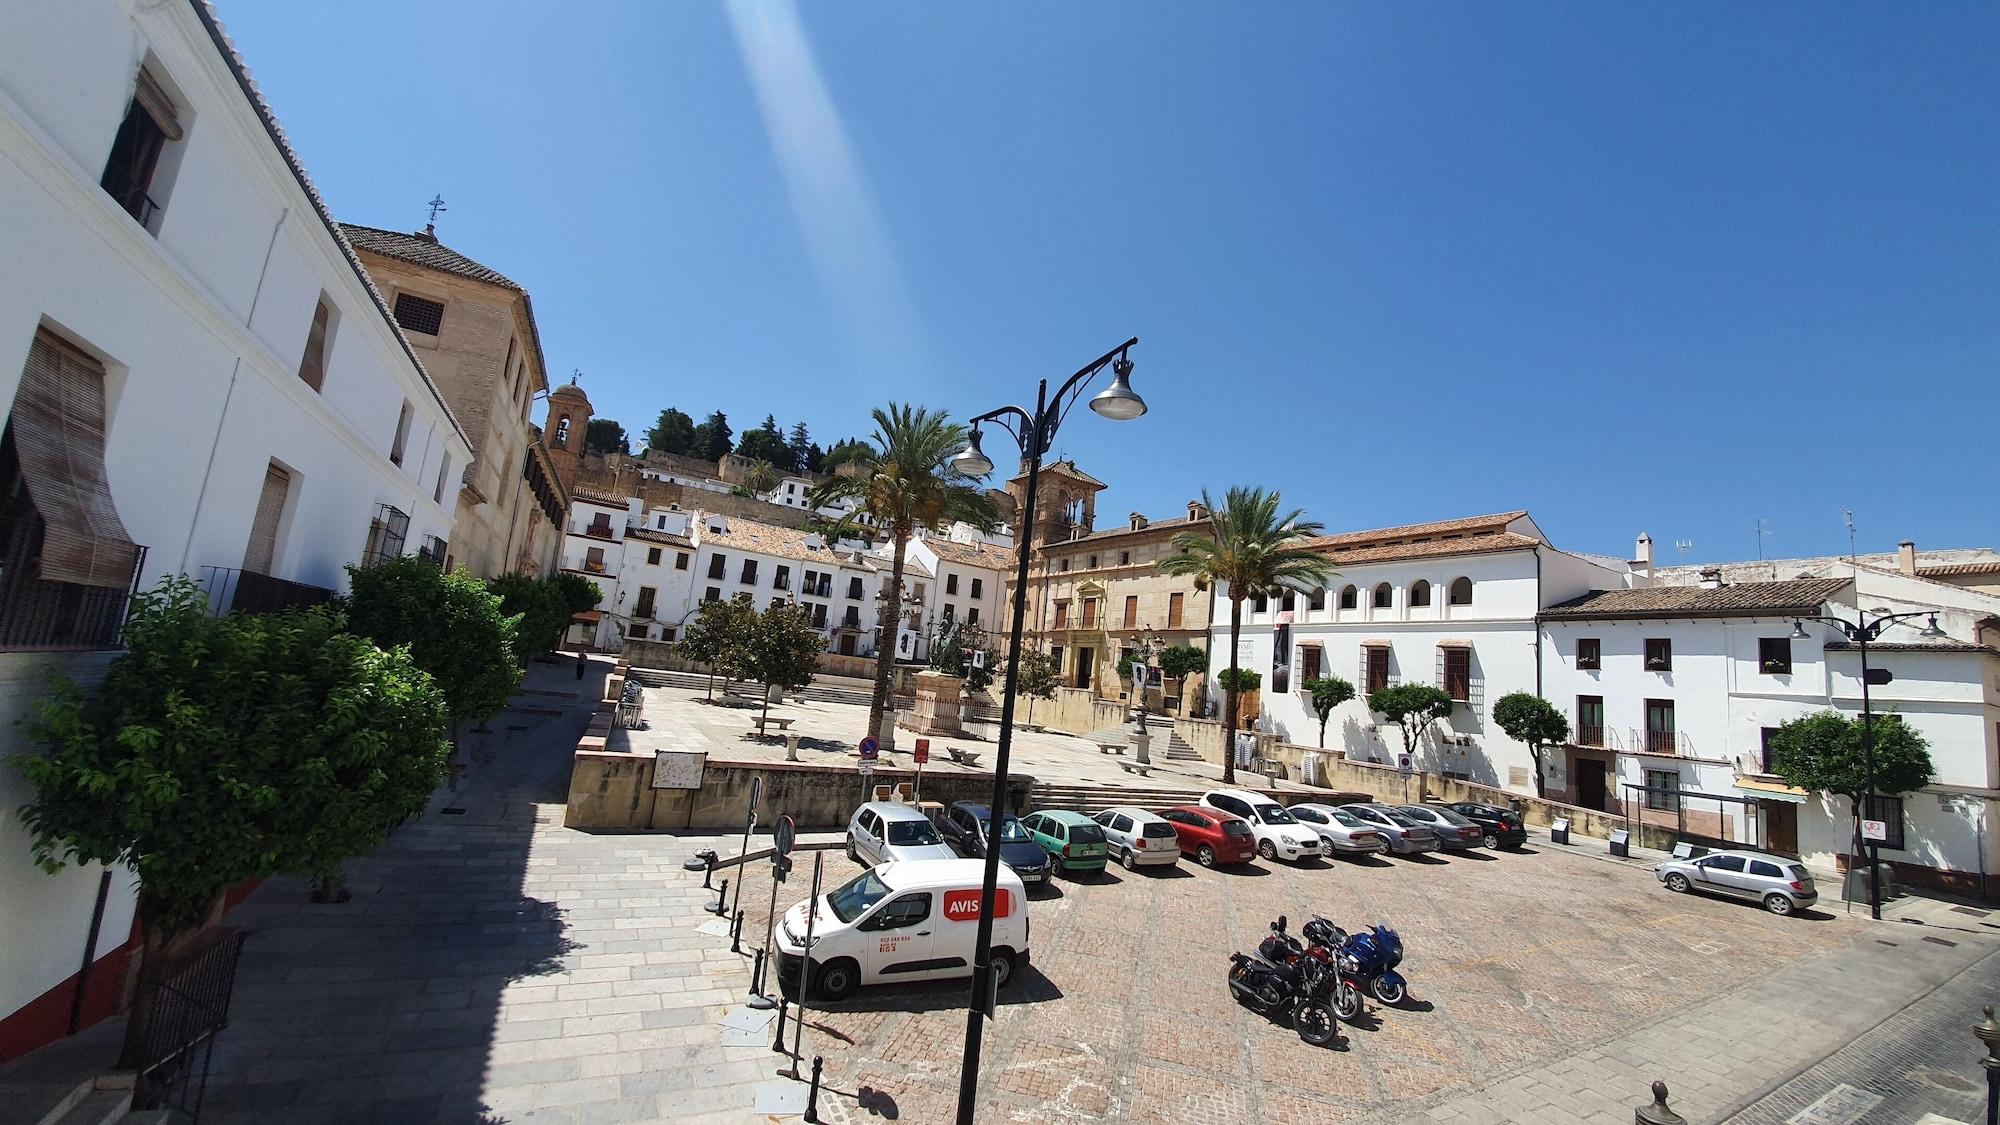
39,614
246,591
1590,734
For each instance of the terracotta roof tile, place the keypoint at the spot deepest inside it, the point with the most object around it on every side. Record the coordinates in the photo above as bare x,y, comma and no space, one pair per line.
1950,569
1465,545
769,539
1744,599
420,250
1493,523
972,554
654,535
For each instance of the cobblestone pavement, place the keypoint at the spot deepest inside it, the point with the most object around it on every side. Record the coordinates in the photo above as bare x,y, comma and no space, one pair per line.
494,966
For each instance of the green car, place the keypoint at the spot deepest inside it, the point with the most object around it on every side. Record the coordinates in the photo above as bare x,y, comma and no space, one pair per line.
1073,840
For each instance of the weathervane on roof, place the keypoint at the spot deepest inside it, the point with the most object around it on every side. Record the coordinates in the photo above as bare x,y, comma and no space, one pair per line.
436,205
575,373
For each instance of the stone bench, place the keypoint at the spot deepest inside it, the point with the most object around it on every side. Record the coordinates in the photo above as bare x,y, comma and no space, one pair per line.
963,757
762,723
1135,767
1111,748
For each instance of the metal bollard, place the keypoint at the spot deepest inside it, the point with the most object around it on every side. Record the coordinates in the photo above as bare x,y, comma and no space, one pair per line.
736,934
718,908
778,1044
812,1095
757,975
1657,1113
1989,1034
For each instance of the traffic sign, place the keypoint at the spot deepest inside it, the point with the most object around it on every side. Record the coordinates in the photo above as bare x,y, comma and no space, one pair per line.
781,866
1404,764
923,751
1876,677
869,748
1876,830
784,835
756,793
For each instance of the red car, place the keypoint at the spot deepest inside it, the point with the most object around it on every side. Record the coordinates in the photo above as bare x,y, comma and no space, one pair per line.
1211,836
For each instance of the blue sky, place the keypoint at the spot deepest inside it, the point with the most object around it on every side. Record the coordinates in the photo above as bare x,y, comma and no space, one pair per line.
1667,268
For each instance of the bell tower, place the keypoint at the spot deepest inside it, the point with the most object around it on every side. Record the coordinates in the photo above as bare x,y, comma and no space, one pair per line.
569,417
1065,502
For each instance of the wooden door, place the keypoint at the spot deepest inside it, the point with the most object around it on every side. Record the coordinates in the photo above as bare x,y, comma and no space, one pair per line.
1590,783
1781,827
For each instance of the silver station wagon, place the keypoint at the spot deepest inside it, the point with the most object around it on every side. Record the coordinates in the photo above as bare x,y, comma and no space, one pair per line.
1782,885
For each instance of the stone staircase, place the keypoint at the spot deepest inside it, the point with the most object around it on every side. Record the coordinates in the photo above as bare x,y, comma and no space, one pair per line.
1090,799
1179,751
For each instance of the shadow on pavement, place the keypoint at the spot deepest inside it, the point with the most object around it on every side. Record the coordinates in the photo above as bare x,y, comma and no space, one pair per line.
1029,986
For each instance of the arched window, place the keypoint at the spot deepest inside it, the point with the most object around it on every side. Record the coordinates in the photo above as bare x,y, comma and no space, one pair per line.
562,432
1350,598
1420,592
1461,591
1384,598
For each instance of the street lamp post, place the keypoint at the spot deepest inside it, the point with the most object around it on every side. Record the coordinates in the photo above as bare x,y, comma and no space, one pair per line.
1035,433
1859,634
1149,646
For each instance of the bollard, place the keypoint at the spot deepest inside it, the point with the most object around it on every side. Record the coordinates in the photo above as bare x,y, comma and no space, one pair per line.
1657,1113
717,909
812,1095
759,999
1989,1035
778,1044
736,934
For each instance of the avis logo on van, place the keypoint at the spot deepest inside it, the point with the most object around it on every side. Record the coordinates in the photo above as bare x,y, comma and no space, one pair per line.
963,906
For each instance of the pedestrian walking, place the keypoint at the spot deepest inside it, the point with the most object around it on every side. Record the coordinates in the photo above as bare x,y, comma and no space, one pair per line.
582,662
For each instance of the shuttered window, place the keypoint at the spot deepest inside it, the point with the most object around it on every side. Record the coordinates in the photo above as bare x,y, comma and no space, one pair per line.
402,435
312,366
259,557
419,314
58,424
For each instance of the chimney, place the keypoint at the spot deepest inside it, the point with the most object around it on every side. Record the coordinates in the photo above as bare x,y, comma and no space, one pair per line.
1642,552
1711,578
1906,558
1138,521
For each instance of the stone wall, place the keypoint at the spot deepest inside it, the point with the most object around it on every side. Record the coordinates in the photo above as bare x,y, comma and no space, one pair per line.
613,792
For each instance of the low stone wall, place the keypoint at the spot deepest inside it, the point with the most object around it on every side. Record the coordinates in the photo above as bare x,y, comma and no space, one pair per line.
613,792
1073,711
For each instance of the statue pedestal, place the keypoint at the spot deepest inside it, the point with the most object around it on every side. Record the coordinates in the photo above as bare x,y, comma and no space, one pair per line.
940,700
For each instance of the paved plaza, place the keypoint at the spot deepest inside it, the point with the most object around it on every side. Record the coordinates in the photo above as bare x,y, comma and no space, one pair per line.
495,966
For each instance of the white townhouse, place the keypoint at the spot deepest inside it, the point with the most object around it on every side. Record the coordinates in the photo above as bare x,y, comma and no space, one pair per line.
655,590
1451,603
840,583
967,584
199,379
1675,691
594,547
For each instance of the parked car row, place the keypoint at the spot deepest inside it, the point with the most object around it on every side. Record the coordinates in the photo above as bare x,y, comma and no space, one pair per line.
1226,827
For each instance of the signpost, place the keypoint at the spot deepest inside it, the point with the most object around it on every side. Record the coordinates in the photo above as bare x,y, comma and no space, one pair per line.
922,756
782,839
756,793
806,963
1876,830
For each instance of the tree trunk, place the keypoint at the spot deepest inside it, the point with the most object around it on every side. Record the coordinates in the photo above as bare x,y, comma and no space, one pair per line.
711,683
1322,729
161,947
885,646
1229,692
765,726
1535,754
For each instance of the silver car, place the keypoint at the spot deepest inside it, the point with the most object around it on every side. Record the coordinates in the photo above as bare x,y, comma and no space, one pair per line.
1406,836
1782,885
1344,833
1452,829
890,832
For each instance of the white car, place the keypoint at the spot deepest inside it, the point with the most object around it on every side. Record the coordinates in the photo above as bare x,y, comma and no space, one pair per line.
1137,837
892,832
903,922
1279,834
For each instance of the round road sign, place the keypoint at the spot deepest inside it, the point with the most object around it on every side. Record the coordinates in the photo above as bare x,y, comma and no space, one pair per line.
784,836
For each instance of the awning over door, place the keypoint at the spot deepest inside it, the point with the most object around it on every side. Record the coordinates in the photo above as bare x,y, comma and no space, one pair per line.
1770,790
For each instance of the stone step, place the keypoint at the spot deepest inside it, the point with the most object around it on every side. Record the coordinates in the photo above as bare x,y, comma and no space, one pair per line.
98,1107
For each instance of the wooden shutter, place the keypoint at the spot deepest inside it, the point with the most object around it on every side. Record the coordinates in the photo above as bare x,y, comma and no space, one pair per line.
153,99
312,366
263,549
58,423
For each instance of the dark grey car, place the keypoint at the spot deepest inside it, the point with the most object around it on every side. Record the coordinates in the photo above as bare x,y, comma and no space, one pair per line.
1406,836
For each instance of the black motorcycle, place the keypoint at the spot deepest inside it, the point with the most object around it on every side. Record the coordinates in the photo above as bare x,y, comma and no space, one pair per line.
1293,991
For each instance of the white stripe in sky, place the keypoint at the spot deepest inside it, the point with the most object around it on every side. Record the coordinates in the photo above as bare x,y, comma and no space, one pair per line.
829,196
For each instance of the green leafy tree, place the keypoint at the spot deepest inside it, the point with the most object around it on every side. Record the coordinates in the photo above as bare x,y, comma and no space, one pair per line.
815,458
779,648
603,435
673,433
1822,753
959,649
766,443
1037,678
842,452
544,606
1533,721
225,749
1250,548
1413,707
1327,693
717,636
1126,663
1181,661
712,437
452,624
904,481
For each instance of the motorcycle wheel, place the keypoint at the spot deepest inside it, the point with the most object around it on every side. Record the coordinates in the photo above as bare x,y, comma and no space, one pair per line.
1347,1002
1314,1023
1390,994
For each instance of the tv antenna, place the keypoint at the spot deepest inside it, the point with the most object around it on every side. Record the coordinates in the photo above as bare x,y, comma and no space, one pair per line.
1684,546
1853,558
1761,529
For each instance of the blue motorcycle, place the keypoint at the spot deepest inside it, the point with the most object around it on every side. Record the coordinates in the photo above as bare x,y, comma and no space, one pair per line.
1377,951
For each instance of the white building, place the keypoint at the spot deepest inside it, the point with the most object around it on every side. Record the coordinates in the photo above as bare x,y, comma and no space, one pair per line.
967,583
1674,692
1451,603
200,379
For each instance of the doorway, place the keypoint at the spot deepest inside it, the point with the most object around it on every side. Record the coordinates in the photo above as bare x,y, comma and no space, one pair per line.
1590,783
847,645
1781,827
1086,659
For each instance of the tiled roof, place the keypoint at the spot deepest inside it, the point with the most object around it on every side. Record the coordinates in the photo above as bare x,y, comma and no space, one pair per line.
597,497
1951,569
226,47
1765,599
1175,523
972,554
1914,646
1495,522
422,250
1466,545
769,539
654,535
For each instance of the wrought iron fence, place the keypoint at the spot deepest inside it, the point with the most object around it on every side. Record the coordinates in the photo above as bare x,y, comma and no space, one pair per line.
39,614
187,1011
246,591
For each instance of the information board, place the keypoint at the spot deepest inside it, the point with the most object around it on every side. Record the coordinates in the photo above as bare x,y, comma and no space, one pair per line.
678,769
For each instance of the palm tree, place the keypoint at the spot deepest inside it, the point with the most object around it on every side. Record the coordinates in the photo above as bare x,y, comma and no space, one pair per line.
903,481
761,477
1251,549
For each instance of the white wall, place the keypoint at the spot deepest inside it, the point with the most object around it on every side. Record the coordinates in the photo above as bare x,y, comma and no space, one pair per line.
202,359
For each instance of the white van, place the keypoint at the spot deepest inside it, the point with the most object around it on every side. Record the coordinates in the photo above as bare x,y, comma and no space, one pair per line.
915,920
